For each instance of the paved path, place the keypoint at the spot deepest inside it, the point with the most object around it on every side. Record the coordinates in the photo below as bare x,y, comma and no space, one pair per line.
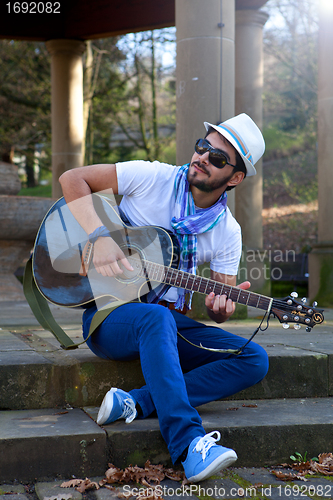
301,369
233,484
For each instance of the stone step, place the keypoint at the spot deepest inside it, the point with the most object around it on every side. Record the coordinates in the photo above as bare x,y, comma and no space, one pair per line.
36,373
49,443
62,443
231,484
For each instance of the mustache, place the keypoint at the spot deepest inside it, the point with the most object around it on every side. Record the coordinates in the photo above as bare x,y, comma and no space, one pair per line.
201,166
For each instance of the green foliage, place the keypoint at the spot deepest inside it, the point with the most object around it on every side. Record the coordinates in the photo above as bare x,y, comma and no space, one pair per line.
168,152
290,88
303,193
291,178
25,92
133,100
280,143
281,289
300,459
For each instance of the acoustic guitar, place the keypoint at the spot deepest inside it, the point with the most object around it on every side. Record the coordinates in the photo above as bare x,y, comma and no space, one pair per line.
64,273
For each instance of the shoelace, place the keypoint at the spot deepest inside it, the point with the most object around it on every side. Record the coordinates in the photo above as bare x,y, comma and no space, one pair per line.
129,412
206,442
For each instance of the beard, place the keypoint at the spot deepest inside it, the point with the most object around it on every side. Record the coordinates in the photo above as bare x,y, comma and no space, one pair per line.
206,185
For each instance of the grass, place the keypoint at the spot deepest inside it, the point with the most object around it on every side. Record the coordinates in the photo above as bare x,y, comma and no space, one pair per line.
280,143
292,179
281,289
40,191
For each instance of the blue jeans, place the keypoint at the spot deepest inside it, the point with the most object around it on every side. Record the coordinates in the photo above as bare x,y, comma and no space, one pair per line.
178,376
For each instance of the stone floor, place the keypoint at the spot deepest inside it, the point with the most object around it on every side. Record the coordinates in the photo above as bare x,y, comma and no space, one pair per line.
50,432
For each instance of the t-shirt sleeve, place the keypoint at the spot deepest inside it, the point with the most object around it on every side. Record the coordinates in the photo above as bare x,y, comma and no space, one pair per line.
137,177
148,192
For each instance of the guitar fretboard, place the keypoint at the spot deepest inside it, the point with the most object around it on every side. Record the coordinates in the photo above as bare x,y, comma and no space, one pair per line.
200,284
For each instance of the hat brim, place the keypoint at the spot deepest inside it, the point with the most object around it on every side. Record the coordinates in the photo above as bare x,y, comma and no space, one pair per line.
250,169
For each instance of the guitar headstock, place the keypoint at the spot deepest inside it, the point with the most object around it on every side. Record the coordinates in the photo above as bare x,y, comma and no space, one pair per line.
288,310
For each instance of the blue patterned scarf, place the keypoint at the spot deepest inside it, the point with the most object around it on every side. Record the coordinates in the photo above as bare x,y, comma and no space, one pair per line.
187,223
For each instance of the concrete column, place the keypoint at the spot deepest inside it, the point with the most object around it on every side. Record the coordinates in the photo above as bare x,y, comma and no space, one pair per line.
67,107
248,99
249,86
205,70
321,257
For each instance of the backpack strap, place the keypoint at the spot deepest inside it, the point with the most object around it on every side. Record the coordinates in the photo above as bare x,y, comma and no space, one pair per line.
42,312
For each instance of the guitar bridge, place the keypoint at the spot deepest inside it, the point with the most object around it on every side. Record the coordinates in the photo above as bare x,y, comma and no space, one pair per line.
86,258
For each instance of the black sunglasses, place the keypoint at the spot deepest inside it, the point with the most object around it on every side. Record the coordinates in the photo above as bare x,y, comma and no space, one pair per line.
216,156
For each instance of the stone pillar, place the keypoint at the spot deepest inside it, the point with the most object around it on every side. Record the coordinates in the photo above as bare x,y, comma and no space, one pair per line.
20,217
67,107
249,85
205,70
248,99
321,257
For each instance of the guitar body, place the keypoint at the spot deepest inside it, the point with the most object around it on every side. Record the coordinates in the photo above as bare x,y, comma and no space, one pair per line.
57,258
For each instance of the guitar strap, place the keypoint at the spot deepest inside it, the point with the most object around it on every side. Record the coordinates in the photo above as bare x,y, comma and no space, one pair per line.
42,312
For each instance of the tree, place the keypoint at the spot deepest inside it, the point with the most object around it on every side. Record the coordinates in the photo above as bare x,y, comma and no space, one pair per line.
126,89
25,107
290,44
135,95
150,90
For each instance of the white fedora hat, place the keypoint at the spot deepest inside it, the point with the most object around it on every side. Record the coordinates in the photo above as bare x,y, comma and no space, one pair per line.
246,138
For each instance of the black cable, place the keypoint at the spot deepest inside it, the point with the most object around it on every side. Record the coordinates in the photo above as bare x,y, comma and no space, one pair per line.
231,351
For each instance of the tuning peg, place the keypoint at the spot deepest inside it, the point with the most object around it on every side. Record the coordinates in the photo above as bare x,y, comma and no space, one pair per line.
308,329
294,295
314,304
304,299
285,325
297,326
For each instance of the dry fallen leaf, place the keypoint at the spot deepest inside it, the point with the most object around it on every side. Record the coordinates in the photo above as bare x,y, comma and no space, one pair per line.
71,484
81,485
323,466
249,406
147,475
289,476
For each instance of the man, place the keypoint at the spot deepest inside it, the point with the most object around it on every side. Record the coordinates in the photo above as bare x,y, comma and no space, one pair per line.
180,376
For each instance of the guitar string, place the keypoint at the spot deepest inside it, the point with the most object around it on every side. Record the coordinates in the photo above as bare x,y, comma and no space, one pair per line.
262,302
161,270
172,277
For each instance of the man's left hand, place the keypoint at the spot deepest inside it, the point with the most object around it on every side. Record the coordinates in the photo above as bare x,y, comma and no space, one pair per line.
220,307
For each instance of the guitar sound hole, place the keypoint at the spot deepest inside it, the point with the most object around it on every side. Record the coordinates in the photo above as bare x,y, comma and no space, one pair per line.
134,257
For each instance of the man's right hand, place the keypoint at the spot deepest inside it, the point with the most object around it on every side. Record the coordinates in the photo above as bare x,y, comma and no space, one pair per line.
107,256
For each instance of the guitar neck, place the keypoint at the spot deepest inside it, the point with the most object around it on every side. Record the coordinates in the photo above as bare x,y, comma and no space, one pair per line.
193,283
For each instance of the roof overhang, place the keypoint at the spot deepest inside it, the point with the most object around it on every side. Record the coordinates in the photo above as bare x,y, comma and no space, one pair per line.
90,19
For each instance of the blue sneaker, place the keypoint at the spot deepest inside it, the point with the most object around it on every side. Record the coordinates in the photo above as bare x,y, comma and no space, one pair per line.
116,404
204,457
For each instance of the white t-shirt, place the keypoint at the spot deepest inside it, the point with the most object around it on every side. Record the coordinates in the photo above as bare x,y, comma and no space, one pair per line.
149,199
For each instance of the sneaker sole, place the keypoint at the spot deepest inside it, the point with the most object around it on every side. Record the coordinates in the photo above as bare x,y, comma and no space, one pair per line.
228,458
106,407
